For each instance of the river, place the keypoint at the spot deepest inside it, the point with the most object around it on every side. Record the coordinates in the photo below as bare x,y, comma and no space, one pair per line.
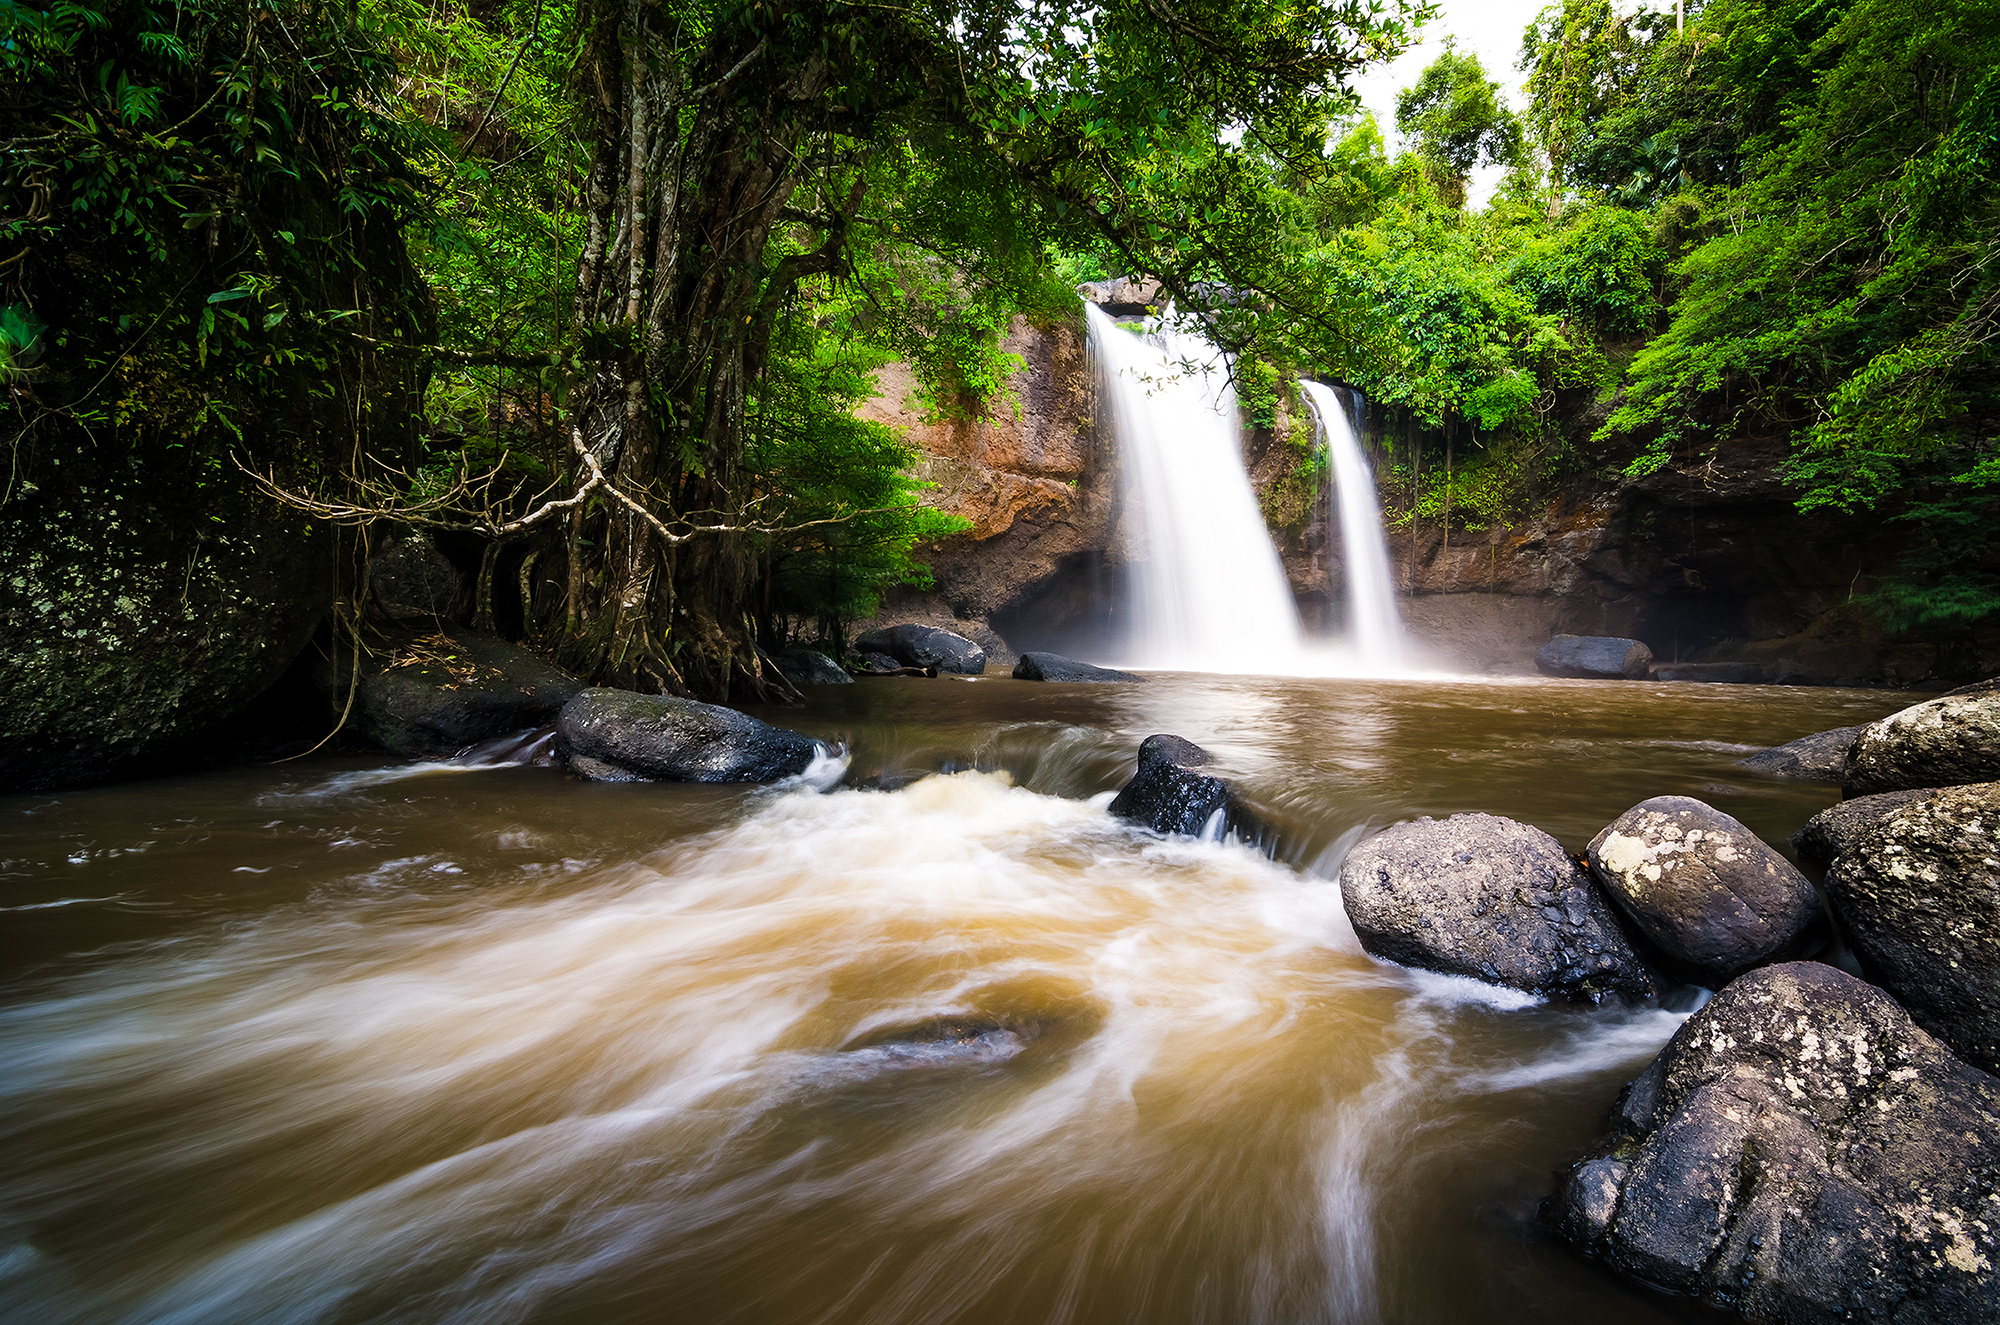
339,1041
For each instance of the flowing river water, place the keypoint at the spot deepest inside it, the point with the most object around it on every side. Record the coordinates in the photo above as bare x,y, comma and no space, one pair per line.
335,1041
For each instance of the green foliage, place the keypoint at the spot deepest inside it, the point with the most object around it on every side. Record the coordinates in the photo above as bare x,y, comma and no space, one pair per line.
1603,269
1456,118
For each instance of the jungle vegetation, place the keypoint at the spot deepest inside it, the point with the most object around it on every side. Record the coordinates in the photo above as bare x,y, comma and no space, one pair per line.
600,282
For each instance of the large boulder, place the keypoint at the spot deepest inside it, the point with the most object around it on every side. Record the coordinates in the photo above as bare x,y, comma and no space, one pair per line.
1920,897
1490,898
1701,886
409,577
1597,657
136,615
1833,832
438,692
1800,1152
1055,667
1943,742
1820,757
925,646
809,667
1168,796
619,736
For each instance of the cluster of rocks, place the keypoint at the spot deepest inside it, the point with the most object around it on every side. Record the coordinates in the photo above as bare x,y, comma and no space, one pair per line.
1811,1145
1615,658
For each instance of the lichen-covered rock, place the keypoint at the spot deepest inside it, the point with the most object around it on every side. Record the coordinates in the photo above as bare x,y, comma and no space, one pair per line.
1832,832
437,692
131,620
1820,757
1168,796
925,646
1487,897
1920,897
1943,742
809,667
1595,657
1701,886
616,735
1801,1152
1035,666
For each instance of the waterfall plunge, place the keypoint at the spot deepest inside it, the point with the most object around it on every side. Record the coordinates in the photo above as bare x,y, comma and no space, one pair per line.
1374,626
1209,592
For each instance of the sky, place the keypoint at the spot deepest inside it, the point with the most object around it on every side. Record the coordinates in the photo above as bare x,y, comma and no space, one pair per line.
1491,29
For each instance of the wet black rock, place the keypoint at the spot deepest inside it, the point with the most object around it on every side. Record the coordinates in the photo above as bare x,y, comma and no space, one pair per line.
1055,667
1800,1152
1168,796
409,577
437,692
925,646
1598,657
1701,886
1487,897
1820,757
1943,742
616,735
1832,832
1920,898
809,667
877,664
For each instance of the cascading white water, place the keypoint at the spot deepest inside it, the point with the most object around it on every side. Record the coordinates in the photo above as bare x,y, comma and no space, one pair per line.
1209,591
1374,626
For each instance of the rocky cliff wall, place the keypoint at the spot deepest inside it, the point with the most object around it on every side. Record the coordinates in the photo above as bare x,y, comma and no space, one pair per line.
1708,560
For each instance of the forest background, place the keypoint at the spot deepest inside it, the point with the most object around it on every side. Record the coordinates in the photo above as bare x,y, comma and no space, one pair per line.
601,283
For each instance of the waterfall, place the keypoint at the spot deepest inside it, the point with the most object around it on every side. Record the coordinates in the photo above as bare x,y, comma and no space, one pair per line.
1209,593
1374,626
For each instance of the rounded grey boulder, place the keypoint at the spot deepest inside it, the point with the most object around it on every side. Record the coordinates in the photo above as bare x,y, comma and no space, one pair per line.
1596,657
1701,886
1943,742
1920,897
925,646
1055,667
1801,1152
616,735
1487,897
1820,757
1832,832
809,667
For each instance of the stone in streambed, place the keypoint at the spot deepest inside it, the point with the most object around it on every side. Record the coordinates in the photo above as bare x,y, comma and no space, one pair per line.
1800,1152
1943,742
1595,657
1701,886
809,667
1820,757
1055,667
1168,796
1486,897
1920,898
925,646
617,736
436,692
1833,832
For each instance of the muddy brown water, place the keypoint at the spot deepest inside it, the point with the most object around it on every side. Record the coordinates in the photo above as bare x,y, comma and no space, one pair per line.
347,1041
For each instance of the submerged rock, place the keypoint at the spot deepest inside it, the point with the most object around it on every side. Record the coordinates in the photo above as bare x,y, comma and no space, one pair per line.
925,646
1055,667
1493,899
436,693
1801,1152
1820,757
1167,796
617,736
1724,673
1598,657
1920,897
1832,832
1943,742
809,667
1701,886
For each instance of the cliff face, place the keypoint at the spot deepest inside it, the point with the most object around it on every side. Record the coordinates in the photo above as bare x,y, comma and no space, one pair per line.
1706,561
